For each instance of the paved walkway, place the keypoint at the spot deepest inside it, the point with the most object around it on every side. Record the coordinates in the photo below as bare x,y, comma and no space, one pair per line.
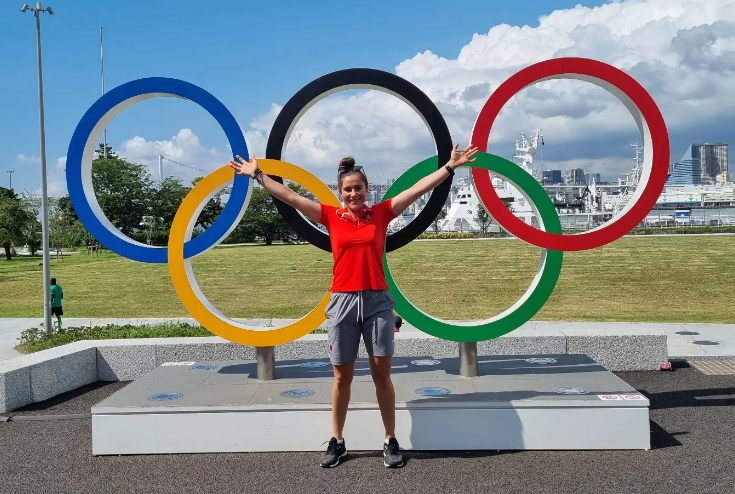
698,340
691,420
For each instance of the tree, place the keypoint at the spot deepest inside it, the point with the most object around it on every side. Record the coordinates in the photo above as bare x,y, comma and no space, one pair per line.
31,229
123,191
435,224
262,220
16,218
64,204
65,231
211,211
166,199
101,151
483,218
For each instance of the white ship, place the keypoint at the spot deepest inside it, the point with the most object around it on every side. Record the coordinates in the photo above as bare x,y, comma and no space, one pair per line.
618,199
579,206
697,196
462,214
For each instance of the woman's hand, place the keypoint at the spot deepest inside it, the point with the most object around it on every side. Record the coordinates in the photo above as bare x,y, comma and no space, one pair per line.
459,158
244,167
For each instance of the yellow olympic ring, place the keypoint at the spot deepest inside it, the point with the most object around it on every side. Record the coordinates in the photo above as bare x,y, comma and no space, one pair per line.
183,277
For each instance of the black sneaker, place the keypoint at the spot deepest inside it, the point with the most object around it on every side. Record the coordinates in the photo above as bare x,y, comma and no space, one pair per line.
392,457
334,453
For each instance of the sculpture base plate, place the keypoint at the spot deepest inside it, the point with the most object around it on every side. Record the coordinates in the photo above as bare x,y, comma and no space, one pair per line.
518,402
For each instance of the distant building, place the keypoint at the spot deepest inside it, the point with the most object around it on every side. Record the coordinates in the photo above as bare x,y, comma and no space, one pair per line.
713,161
589,177
575,176
702,163
686,171
552,177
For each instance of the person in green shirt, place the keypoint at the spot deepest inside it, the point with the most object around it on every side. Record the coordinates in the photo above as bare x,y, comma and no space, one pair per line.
56,295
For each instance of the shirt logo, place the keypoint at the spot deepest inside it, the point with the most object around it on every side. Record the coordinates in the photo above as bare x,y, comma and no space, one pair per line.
364,215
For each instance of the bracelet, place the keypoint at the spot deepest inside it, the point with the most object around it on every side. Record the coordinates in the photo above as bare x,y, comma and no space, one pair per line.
258,176
449,169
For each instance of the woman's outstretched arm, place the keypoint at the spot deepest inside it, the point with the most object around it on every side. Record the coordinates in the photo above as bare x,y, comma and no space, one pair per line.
429,182
310,209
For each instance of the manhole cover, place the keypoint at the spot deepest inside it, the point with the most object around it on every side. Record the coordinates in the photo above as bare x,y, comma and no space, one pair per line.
165,396
297,393
425,362
688,333
433,391
314,364
541,361
714,367
571,391
203,367
706,342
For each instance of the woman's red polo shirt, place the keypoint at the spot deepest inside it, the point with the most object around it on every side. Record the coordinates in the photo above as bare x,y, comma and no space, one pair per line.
357,246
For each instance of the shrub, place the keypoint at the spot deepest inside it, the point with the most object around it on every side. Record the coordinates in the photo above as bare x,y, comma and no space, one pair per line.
36,339
446,235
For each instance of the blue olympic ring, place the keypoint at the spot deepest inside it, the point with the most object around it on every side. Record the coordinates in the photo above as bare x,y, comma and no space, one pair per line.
81,151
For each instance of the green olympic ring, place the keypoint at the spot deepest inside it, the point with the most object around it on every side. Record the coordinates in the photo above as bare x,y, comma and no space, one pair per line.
541,287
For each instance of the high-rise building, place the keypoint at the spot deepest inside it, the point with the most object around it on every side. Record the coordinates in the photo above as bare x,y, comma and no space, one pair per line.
575,176
589,177
552,177
713,161
702,163
686,171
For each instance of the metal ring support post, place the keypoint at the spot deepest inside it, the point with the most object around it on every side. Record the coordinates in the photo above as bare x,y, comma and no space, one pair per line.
468,359
266,358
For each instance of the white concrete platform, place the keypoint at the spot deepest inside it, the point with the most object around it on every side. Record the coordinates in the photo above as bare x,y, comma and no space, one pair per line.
519,402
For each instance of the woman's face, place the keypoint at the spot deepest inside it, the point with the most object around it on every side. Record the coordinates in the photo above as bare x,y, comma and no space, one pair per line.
353,191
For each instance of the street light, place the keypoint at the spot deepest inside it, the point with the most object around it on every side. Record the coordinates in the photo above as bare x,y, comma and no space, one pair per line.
37,10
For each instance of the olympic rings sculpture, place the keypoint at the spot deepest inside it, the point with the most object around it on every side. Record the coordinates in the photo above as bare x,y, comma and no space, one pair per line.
182,247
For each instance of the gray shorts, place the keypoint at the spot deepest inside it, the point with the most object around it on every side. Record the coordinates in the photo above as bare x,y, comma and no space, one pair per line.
368,313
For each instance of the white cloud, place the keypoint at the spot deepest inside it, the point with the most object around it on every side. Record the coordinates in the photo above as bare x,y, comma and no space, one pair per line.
184,148
256,136
34,160
55,179
382,132
683,53
56,187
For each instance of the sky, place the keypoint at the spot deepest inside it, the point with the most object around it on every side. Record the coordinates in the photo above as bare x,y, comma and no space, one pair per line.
253,56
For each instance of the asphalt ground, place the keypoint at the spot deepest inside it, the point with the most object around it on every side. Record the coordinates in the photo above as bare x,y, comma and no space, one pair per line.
692,433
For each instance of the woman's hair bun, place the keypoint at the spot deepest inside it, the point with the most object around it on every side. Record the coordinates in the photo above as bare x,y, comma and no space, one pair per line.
347,162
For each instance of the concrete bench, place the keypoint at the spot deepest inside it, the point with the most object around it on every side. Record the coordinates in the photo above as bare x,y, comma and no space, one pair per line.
43,375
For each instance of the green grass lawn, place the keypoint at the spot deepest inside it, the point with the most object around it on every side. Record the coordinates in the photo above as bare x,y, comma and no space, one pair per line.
665,279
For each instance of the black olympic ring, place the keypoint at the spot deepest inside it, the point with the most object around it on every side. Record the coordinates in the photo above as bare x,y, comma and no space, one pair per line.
362,78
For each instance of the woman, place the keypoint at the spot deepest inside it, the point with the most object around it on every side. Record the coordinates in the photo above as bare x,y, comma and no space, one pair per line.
360,303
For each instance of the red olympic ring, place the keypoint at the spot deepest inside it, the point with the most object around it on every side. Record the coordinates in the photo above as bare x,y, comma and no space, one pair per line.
649,120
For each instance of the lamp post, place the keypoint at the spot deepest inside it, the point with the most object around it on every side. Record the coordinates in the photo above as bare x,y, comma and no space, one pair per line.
37,10
102,70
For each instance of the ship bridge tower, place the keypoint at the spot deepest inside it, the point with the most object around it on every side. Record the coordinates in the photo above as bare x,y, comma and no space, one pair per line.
526,150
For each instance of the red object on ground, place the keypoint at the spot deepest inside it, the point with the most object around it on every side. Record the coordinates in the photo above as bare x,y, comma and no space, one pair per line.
665,366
